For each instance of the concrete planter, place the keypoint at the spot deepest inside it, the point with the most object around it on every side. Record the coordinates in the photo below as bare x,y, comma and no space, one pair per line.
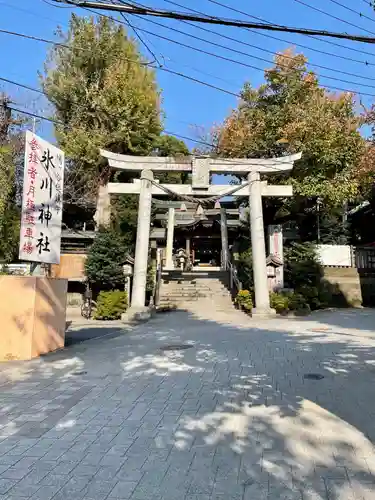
33,314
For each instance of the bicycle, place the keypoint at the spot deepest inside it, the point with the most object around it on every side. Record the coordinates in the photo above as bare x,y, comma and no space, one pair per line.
87,306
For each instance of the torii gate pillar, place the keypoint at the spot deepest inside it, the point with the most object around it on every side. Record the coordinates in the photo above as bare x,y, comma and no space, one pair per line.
142,242
200,168
258,247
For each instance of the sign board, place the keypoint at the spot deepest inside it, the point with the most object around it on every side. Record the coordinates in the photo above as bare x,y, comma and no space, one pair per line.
335,255
275,234
42,199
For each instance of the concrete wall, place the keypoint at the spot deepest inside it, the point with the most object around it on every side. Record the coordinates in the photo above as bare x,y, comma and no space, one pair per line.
345,285
33,313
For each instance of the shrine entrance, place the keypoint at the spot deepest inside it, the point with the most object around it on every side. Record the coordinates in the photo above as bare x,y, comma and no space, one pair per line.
197,232
206,251
202,193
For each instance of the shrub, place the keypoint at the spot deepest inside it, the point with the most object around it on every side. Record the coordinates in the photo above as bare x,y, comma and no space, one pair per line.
311,295
110,305
288,301
245,269
302,266
244,300
297,302
105,259
304,273
279,302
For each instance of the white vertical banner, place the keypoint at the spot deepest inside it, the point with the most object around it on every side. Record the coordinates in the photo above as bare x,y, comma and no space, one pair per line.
275,233
43,184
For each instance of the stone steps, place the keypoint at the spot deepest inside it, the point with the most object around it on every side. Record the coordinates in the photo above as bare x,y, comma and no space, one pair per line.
197,292
177,293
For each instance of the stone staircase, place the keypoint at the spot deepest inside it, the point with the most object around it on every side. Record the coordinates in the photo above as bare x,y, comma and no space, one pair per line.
205,291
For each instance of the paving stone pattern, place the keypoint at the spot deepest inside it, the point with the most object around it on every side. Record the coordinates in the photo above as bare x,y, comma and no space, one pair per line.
230,418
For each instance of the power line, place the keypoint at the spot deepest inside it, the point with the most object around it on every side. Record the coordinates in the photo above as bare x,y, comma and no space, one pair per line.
333,16
182,75
20,9
259,48
51,120
241,63
186,138
224,80
70,7
275,38
253,31
220,21
176,73
58,6
23,85
34,115
352,10
329,87
35,38
139,37
330,42
166,70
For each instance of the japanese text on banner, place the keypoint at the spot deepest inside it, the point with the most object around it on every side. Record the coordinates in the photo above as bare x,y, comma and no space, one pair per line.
40,237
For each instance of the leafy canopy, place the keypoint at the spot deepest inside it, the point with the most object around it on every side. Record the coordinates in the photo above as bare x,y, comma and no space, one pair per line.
104,95
291,113
11,173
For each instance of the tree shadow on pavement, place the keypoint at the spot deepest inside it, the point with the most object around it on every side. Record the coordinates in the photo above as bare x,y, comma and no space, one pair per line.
233,415
256,422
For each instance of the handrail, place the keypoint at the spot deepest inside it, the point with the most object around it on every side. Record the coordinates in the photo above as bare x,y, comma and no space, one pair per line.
234,282
157,286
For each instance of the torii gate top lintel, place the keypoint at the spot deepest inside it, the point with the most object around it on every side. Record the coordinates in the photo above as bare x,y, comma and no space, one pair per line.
239,166
200,168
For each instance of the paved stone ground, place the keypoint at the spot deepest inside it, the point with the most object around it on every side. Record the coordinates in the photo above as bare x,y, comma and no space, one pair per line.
230,418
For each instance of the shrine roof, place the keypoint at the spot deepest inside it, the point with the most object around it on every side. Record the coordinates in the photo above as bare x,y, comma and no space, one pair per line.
274,260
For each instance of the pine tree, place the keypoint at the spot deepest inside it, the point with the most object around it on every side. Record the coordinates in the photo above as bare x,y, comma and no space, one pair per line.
105,260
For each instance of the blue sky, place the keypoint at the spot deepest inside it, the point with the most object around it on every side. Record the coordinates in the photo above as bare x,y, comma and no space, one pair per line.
189,105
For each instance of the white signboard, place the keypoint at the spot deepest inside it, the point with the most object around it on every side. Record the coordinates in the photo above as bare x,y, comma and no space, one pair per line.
42,201
335,255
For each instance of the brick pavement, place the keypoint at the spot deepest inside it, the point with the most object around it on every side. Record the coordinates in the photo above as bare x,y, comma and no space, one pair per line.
230,418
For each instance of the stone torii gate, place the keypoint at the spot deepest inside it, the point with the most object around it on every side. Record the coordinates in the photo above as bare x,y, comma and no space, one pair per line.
200,187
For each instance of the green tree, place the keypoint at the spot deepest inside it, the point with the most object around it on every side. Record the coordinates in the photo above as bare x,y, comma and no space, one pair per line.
9,212
125,213
104,96
291,113
105,260
11,156
168,145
